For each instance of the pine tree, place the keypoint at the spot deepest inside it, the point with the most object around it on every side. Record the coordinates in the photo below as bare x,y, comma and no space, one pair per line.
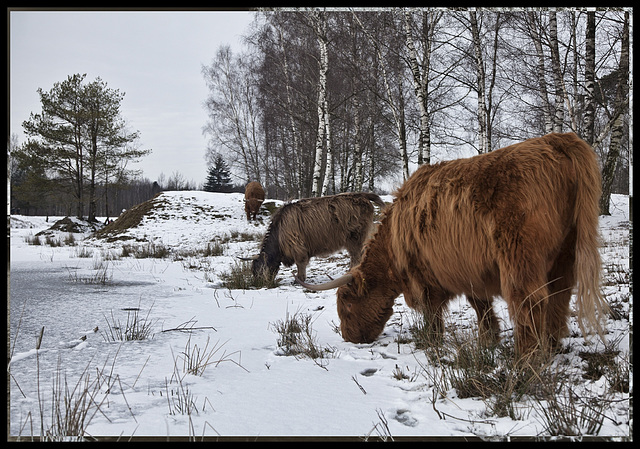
218,178
80,138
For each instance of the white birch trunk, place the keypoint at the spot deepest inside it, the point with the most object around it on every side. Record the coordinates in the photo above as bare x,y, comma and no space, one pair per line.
419,87
558,117
328,177
540,72
321,28
480,83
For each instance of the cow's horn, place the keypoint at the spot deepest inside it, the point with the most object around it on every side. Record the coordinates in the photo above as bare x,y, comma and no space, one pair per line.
342,280
249,258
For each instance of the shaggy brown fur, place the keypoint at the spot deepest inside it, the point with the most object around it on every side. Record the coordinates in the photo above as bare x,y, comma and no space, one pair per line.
316,227
520,222
253,198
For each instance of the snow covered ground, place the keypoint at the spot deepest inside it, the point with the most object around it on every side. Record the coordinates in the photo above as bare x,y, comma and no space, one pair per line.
79,292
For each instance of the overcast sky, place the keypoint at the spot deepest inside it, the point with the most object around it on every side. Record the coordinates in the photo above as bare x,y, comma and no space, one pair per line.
154,57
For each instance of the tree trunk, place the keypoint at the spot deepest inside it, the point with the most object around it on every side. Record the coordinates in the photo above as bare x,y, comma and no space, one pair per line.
533,25
489,94
558,118
420,85
292,121
79,177
590,77
617,128
321,33
372,162
94,129
397,111
357,145
92,179
402,134
329,179
480,85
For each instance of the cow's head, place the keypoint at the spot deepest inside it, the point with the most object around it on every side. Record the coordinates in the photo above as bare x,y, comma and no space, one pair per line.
363,309
266,264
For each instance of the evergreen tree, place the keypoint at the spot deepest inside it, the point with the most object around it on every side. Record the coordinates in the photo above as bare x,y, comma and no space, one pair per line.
218,178
79,138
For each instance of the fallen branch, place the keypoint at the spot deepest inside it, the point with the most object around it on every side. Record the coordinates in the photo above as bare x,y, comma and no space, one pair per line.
188,326
182,329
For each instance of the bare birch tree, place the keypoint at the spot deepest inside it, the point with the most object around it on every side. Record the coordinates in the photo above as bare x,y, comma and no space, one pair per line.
483,139
234,116
420,83
533,29
295,151
590,78
319,24
329,180
556,70
485,57
617,123
395,103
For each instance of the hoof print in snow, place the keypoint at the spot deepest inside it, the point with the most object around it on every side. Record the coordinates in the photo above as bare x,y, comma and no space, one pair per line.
404,417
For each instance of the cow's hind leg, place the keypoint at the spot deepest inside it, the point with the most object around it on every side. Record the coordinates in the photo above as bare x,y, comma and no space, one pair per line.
558,310
528,305
302,269
523,260
561,282
525,289
354,247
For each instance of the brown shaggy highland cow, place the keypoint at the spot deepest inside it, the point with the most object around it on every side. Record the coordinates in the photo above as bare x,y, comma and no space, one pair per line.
316,227
520,222
253,198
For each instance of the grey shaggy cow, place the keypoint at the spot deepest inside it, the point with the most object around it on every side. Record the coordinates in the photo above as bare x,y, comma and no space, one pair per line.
316,227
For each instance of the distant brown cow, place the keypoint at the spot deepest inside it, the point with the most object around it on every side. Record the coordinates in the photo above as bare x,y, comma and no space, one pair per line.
316,227
520,222
253,198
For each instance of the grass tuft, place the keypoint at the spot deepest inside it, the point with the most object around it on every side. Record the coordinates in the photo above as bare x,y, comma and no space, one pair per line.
296,338
240,277
133,329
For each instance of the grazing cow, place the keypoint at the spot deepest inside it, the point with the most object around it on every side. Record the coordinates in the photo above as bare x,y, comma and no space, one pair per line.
253,198
520,222
316,227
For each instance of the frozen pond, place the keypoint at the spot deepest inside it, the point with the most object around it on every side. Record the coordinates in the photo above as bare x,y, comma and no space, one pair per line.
55,296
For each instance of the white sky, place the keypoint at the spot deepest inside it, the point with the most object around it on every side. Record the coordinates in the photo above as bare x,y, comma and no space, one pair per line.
154,57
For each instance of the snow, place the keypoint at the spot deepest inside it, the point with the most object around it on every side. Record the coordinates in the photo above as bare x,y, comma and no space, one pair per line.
250,388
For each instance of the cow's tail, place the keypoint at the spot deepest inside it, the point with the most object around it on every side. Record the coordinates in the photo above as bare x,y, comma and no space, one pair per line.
592,307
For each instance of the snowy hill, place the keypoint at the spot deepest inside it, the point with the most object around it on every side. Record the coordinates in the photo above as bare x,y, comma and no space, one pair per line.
185,219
